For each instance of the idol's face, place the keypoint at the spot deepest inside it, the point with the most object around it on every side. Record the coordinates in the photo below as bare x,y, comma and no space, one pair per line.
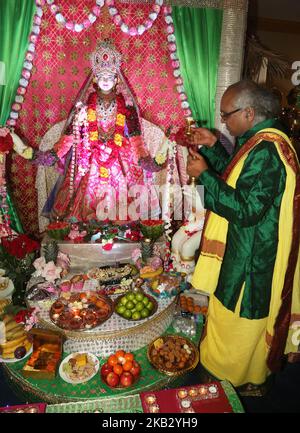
106,81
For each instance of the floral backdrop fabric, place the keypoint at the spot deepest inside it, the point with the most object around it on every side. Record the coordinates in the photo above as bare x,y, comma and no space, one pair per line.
61,65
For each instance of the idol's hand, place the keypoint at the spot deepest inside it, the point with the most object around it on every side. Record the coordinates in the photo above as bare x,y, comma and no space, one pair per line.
202,136
196,164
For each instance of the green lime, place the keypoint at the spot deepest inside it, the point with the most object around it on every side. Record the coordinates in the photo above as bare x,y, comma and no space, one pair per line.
150,306
129,305
127,314
121,309
145,313
145,300
136,315
135,301
123,300
130,296
139,296
139,306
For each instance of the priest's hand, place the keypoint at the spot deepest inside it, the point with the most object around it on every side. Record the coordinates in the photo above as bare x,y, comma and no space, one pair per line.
196,164
202,137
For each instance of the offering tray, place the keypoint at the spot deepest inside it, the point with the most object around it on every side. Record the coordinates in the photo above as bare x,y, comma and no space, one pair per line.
114,333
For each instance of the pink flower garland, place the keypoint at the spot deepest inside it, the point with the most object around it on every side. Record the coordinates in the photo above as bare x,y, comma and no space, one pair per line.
27,65
71,25
140,29
175,61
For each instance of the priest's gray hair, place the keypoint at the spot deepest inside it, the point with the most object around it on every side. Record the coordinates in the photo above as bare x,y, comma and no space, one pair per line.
266,105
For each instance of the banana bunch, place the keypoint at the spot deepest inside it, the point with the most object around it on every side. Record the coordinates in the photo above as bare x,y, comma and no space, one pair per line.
15,337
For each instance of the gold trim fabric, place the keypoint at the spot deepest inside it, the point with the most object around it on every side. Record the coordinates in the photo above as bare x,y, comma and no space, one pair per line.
217,4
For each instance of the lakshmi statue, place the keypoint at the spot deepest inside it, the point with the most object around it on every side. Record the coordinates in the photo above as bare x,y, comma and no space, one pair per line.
104,160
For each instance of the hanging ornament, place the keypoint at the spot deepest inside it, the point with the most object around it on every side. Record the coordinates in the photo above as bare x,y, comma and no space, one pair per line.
71,25
171,38
140,29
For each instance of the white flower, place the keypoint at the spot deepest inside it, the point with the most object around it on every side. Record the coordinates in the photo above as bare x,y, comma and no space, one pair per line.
60,18
185,104
51,272
100,3
176,73
124,28
153,16
113,11
171,38
92,18
168,19
174,56
78,28
141,29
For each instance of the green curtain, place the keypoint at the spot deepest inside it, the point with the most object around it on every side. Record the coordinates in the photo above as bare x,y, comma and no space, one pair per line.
198,36
15,25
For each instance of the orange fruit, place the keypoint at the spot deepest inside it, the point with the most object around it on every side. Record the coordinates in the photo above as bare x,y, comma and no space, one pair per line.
112,360
197,309
120,353
129,356
118,369
127,365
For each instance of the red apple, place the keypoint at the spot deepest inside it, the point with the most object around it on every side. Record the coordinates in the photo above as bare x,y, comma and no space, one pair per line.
126,379
112,379
135,369
105,369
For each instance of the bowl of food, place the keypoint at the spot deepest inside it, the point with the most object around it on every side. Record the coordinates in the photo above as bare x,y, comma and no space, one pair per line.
79,367
121,370
135,305
173,355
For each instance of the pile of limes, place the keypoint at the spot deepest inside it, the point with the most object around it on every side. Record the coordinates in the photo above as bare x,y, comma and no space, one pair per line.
134,306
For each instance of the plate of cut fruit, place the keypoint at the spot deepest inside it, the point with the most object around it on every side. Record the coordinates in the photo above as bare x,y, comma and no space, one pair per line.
79,367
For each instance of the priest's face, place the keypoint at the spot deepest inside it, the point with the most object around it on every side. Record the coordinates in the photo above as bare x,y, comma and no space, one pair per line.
238,120
106,81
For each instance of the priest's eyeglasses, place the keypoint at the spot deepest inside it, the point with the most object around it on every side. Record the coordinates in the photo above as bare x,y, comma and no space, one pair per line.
224,116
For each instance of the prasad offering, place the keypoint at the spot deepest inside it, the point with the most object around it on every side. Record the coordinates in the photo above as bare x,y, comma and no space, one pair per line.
135,305
172,354
14,342
121,370
79,367
80,311
110,274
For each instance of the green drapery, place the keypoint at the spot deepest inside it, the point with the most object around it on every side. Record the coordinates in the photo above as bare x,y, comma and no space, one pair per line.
15,25
198,36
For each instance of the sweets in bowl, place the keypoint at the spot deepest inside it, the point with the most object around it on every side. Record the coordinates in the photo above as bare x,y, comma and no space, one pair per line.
173,354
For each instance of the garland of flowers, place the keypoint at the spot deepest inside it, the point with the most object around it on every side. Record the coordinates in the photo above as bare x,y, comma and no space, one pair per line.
91,142
27,65
140,29
175,61
71,25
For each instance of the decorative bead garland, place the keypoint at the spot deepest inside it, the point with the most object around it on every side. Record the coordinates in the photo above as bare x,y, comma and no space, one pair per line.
175,61
71,25
140,29
27,65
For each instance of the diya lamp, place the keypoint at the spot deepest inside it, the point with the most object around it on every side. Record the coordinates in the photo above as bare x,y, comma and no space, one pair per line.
202,390
150,399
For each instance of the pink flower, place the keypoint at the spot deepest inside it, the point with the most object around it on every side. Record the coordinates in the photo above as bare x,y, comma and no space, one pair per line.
39,266
63,260
51,272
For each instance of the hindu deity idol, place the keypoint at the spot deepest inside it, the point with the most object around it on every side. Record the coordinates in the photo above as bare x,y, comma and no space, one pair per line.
105,163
